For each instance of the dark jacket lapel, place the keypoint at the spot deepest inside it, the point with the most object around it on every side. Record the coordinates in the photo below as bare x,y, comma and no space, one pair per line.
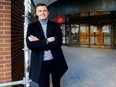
49,29
39,29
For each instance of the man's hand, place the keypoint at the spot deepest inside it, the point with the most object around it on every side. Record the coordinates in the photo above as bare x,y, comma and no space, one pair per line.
51,39
32,38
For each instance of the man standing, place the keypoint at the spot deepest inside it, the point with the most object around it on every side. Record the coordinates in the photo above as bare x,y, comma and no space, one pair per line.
44,38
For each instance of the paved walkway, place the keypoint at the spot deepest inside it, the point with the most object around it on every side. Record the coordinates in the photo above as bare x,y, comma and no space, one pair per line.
89,67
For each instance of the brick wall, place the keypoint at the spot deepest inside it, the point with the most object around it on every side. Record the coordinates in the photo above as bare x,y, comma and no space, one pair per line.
11,40
17,29
5,41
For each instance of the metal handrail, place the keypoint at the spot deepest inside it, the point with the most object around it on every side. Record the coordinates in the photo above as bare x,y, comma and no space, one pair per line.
11,83
20,82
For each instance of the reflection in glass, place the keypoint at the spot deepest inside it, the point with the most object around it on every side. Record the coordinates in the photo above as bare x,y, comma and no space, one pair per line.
74,34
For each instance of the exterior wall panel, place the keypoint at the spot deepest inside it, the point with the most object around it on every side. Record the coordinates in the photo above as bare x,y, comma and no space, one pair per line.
17,29
5,41
11,40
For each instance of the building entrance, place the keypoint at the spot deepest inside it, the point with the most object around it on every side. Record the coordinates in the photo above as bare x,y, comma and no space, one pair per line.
95,35
88,35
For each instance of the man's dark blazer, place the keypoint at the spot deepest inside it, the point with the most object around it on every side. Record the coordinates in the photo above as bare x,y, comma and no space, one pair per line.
38,47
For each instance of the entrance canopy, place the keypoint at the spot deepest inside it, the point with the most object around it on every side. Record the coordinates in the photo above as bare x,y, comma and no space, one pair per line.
47,2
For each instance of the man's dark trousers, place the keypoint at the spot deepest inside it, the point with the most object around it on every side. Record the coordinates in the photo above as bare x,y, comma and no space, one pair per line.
47,69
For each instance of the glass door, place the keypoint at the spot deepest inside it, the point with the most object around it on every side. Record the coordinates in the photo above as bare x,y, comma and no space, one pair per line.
65,33
74,35
84,35
95,36
106,36
100,36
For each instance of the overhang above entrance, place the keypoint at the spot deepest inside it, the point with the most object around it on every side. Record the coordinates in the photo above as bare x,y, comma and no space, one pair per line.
47,2
62,7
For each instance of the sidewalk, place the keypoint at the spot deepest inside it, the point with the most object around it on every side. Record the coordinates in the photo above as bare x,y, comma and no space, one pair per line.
89,67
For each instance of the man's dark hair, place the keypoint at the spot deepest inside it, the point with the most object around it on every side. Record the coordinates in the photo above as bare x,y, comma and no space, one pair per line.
41,4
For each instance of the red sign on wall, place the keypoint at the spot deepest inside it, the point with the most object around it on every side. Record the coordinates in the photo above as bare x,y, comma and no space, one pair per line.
59,19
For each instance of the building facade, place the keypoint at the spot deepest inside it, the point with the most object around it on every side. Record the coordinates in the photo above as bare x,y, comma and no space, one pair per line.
5,41
11,40
86,24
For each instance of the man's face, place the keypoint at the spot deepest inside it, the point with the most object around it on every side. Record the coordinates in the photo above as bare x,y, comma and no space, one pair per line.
42,12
